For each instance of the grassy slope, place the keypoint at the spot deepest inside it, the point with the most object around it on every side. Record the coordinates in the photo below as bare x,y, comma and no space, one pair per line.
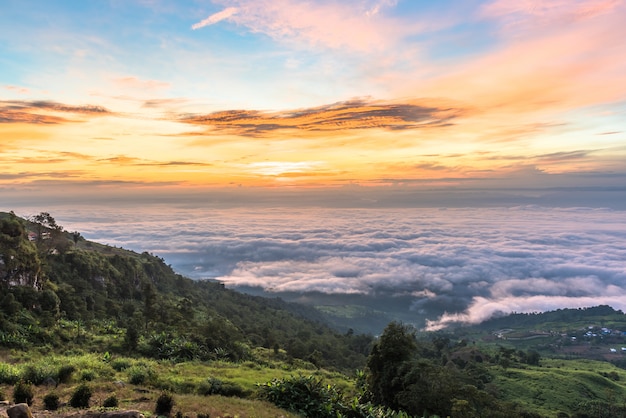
105,374
560,385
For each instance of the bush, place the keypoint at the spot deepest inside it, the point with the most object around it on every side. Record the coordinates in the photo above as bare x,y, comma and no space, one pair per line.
80,397
164,404
38,374
23,393
306,396
120,364
65,373
3,397
9,374
110,402
51,401
214,386
87,375
139,374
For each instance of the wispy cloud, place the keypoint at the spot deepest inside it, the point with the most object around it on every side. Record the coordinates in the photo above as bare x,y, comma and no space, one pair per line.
214,18
537,14
359,26
18,89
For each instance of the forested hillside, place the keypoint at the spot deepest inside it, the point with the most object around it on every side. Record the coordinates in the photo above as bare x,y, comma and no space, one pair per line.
55,282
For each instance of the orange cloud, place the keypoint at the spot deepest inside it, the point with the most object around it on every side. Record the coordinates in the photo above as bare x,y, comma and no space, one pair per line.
44,112
342,116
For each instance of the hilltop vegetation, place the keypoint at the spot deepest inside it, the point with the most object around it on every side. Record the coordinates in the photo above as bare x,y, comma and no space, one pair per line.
78,318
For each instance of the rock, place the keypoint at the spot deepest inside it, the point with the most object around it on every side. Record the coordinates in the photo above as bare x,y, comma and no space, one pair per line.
21,410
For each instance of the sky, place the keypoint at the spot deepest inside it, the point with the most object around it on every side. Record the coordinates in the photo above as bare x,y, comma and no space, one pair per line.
392,103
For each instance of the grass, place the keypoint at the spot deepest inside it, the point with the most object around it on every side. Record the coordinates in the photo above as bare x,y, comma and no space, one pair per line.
560,385
111,375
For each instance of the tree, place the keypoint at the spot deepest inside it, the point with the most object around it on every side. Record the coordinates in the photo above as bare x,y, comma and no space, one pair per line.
19,261
396,346
48,234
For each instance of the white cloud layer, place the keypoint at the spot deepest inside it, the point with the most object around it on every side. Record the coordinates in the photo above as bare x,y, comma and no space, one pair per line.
455,265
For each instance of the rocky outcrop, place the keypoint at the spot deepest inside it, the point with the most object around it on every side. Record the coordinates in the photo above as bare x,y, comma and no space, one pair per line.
21,410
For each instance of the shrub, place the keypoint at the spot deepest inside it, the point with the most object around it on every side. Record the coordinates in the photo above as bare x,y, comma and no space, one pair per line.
139,374
120,364
214,386
38,374
9,374
65,373
81,396
110,402
3,397
305,396
87,375
23,393
164,404
51,401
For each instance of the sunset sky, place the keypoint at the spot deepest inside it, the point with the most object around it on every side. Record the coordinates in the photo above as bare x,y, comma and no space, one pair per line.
391,97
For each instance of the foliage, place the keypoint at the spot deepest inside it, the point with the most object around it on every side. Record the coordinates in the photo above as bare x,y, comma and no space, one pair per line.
164,404
37,374
396,346
215,386
110,402
9,374
23,393
51,401
65,373
81,397
140,374
307,396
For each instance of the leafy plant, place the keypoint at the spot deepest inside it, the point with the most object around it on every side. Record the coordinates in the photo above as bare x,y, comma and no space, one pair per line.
164,404
110,402
120,364
38,374
81,396
65,373
307,396
140,374
51,401
23,393
215,386
9,374
87,375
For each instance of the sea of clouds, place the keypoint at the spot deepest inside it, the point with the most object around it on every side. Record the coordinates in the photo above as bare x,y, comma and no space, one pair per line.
452,265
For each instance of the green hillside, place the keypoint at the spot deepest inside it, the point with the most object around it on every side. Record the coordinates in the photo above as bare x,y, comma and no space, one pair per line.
55,283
